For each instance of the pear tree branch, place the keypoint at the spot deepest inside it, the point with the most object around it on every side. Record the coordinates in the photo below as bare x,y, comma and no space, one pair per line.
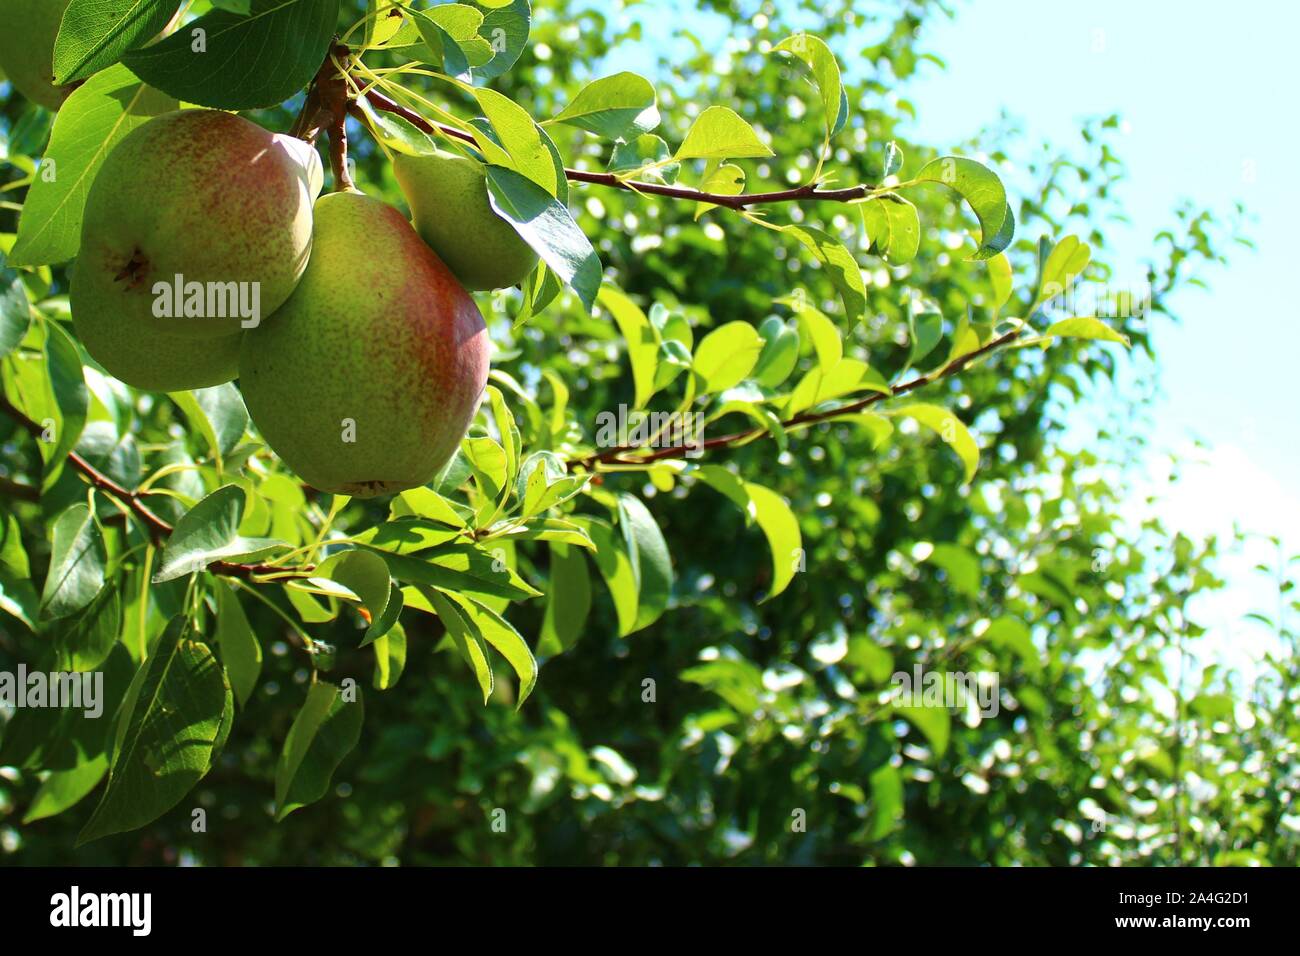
810,192
158,529
614,456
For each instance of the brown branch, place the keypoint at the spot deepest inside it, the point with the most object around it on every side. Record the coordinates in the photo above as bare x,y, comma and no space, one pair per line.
613,456
809,192
326,107
158,529
18,491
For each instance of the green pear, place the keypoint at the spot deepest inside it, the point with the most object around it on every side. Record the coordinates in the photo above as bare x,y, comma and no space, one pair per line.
27,48
448,196
198,224
156,361
366,380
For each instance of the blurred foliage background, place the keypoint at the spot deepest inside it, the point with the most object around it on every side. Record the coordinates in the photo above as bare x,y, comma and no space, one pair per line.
1118,740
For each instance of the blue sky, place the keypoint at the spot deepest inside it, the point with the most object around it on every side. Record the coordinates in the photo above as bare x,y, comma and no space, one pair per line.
1206,93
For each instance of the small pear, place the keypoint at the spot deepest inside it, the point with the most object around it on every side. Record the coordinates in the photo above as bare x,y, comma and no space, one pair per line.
197,224
27,48
448,196
366,380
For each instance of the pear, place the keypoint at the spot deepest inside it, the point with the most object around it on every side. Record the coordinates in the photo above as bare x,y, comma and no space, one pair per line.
157,362
366,380
27,48
197,224
448,196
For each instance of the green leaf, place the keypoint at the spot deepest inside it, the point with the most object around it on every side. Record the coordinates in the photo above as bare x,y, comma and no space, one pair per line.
218,413
727,179
651,567
780,352
646,150
242,62
820,61
934,722
501,635
61,738
548,529
621,107
458,19
15,309
466,637
927,331
545,486
427,503
96,33
1085,328
1061,269
982,189
949,428
894,228
505,26
841,268
820,331
726,356
517,142
887,801
446,53
780,526
820,385
1011,633
615,567
774,518
507,432
168,730
390,658
464,569
77,562
366,575
97,115
1000,275
720,133
642,344
323,733
547,226
961,566
51,390
893,160
17,593
408,535
241,652
63,789
568,600
209,532
84,642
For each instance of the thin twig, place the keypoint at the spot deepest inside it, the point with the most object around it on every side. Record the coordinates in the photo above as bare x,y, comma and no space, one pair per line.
613,456
158,529
805,193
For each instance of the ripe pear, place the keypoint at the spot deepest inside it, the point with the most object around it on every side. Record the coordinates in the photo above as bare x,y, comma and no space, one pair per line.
155,361
366,380
198,224
448,196
27,48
